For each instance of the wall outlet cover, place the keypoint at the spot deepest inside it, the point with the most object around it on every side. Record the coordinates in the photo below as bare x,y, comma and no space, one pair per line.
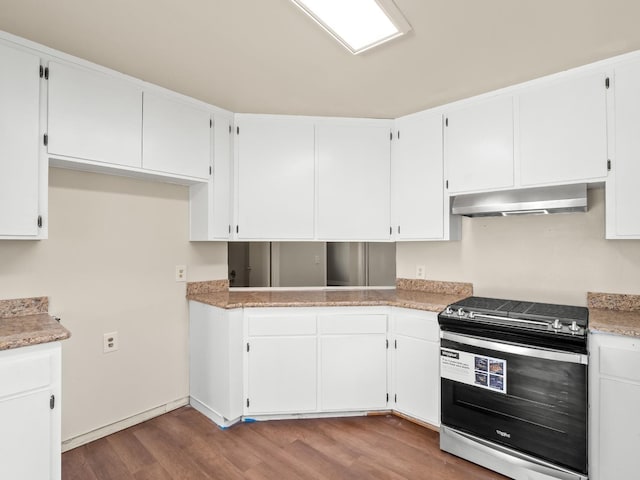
181,273
420,271
110,342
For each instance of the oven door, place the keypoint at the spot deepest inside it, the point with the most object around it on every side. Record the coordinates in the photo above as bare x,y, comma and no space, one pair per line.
527,399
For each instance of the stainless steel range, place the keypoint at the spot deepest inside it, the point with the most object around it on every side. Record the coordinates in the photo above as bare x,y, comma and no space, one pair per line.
514,387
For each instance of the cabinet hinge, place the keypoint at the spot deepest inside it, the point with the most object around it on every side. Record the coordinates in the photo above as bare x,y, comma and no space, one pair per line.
41,71
446,184
608,165
446,122
45,139
606,82
238,130
248,347
52,402
210,170
248,403
46,73
39,221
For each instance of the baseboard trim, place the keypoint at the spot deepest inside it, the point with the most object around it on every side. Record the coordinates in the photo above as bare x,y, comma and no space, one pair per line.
422,423
101,432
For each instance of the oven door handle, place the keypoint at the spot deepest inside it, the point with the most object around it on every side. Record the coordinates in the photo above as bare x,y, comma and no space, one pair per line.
517,349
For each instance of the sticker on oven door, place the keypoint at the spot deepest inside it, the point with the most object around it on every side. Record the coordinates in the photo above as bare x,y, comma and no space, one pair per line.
473,369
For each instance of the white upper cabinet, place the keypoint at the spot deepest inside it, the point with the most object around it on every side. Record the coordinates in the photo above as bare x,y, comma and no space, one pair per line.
210,203
622,188
176,137
354,180
417,178
275,164
19,143
94,116
479,145
563,130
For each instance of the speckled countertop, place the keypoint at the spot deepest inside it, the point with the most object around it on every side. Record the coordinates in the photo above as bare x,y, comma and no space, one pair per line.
426,295
25,322
614,313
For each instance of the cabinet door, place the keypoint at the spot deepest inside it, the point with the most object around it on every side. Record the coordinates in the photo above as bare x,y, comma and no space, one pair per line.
563,130
176,137
623,194
417,171
353,372
354,181
275,178
479,146
94,116
19,142
282,375
417,378
210,203
25,441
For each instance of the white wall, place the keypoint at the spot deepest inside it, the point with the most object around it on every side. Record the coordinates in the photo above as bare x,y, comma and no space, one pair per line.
554,258
109,265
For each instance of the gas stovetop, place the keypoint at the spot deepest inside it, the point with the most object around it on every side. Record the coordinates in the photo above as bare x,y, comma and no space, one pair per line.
541,324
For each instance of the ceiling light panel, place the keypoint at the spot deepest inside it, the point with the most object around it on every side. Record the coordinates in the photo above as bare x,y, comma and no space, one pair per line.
357,24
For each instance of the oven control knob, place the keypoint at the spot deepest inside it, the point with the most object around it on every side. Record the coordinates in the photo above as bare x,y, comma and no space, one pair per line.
461,312
448,310
574,326
557,324
472,315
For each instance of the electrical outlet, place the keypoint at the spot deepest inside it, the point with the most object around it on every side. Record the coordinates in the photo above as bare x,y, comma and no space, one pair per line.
181,273
420,271
110,342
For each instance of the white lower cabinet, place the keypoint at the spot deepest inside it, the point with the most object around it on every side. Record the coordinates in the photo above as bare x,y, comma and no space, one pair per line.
416,364
614,396
30,413
353,362
291,361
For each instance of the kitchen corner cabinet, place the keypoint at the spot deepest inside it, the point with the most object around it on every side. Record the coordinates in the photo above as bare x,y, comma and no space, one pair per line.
215,362
416,364
353,362
210,203
479,146
623,194
281,363
20,184
614,396
30,437
176,137
563,130
94,116
419,210
354,180
275,184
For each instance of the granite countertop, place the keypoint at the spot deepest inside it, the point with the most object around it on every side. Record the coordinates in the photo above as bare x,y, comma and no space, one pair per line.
417,294
26,321
614,313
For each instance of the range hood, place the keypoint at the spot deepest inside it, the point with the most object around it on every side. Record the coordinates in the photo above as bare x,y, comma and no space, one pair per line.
527,201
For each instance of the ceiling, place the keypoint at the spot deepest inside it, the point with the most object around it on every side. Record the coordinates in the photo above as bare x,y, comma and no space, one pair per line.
266,56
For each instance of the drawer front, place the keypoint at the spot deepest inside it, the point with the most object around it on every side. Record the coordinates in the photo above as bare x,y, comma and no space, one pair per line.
278,325
352,324
622,363
424,327
22,373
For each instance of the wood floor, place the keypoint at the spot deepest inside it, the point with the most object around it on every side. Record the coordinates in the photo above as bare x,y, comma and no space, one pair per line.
185,445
